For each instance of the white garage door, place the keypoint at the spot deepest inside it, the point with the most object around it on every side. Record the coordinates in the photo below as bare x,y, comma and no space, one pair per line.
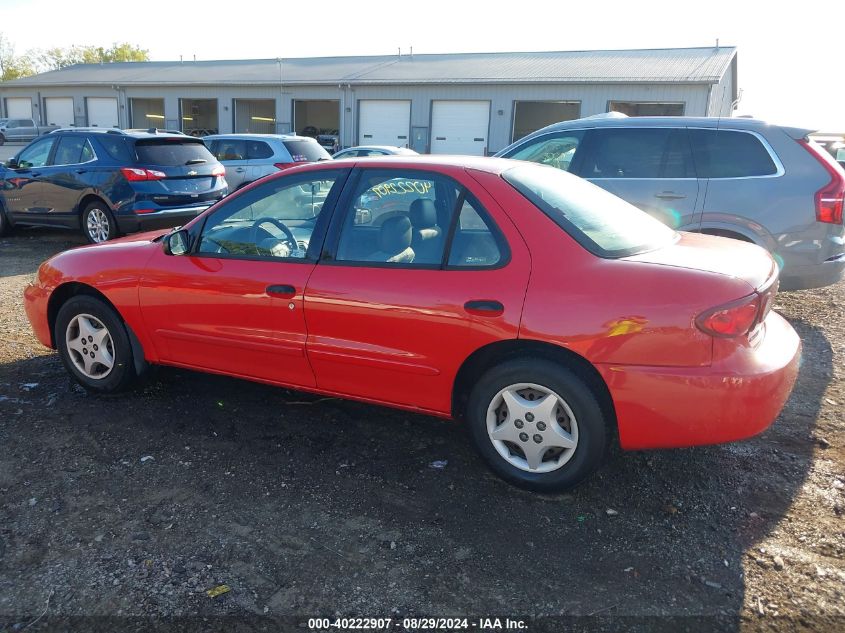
382,122
59,111
19,107
102,111
459,127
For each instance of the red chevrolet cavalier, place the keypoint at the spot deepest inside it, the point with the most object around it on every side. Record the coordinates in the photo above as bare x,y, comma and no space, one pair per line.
549,315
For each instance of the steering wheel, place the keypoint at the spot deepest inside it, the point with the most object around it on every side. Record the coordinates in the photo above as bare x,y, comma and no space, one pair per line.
288,234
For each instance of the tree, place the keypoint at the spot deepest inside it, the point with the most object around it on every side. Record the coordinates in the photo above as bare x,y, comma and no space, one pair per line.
54,58
11,66
41,60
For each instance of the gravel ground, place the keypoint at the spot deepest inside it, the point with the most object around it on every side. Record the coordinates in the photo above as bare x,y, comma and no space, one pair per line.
137,505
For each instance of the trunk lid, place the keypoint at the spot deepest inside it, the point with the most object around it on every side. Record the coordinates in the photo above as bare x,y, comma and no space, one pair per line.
719,255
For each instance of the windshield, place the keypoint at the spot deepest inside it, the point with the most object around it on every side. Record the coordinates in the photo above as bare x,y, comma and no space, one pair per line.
169,152
605,225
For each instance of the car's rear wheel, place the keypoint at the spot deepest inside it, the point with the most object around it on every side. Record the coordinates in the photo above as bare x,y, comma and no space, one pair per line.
537,424
93,344
98,223
2,139
5,225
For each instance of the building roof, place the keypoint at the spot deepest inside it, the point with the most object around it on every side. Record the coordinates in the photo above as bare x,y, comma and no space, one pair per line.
675,65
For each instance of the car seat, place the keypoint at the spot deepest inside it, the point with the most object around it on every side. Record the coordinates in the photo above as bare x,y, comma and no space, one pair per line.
427,236
394,242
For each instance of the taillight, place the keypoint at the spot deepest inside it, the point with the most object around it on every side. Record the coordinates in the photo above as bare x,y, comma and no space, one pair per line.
731,319
829,199
135,174
218,171
283,165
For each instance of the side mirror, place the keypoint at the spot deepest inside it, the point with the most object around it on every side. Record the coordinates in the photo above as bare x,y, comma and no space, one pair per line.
177,243
12,163
362,216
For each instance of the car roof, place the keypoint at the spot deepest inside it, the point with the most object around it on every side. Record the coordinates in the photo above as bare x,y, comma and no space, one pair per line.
480,163
134,134
615,119
391,148
259,137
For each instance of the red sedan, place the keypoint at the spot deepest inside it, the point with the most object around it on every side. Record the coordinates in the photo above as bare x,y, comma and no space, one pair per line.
551,316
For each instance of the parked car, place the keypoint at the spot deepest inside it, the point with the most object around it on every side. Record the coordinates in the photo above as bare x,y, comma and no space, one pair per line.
548,314
108,182
739,178
329,141
374,150
248,157
22,130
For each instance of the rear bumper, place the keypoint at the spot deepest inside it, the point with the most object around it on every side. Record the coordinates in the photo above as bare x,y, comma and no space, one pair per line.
737,397
131,222
805,277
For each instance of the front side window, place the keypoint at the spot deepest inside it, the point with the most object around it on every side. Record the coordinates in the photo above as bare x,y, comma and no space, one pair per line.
229,149
36,154
730,154
602,223
558,149
275,220
637,153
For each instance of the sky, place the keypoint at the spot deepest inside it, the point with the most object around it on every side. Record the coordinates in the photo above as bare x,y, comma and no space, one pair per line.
791,61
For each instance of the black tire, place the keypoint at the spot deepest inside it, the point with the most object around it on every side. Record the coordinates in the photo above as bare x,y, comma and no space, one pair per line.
106,221
5,225
122,373
2,139
591,423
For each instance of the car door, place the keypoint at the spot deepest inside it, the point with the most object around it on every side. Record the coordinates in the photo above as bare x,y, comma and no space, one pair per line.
23,188
652,168
63,180
259,160
234,303
232,155
388,325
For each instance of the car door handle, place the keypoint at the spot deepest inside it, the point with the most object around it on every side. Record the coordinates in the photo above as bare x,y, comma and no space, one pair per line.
281,290
669,195
240,170
80,171
36,174
484,307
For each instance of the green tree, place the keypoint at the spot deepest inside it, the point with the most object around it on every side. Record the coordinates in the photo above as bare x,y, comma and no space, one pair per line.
12,66
54,58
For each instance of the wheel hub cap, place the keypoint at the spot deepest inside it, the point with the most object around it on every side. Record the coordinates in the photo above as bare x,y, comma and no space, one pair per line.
532,427
90,346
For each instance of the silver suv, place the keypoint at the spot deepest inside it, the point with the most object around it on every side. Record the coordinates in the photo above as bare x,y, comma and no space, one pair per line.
739,178
248,157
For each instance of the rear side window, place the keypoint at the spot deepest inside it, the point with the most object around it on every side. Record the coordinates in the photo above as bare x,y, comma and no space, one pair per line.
72,150
475,244
258,149
305,151
730,154
638,153
605,225
116,147
169,153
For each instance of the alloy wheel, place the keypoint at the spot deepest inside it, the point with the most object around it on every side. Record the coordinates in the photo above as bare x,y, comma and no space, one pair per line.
98,225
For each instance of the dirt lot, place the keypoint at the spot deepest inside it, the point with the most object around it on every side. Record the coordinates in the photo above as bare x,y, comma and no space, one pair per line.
136,505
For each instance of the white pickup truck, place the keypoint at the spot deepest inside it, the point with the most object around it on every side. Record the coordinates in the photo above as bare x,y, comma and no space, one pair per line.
22,130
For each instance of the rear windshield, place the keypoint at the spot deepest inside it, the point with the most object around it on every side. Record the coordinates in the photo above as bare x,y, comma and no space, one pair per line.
169,152
305,151
605,225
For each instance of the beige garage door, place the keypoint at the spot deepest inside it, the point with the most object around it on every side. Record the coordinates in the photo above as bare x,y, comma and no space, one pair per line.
102,111
59,111
19,107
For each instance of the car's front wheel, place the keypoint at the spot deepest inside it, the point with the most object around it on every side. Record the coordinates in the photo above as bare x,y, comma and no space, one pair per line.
94,345
537,424
5,225
2,139
98,223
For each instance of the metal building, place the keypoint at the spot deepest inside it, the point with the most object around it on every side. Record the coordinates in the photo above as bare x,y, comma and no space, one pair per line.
473,103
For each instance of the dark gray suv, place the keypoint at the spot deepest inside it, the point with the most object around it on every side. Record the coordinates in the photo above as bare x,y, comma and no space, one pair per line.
739,178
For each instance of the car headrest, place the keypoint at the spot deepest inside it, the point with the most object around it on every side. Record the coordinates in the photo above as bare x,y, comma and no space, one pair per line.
395,234
423,213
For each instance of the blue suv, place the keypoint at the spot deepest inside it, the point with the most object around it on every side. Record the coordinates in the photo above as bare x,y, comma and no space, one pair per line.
108,182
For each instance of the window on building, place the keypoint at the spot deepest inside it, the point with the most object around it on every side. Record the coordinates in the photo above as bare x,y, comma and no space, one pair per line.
646,108
199,116
147,113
